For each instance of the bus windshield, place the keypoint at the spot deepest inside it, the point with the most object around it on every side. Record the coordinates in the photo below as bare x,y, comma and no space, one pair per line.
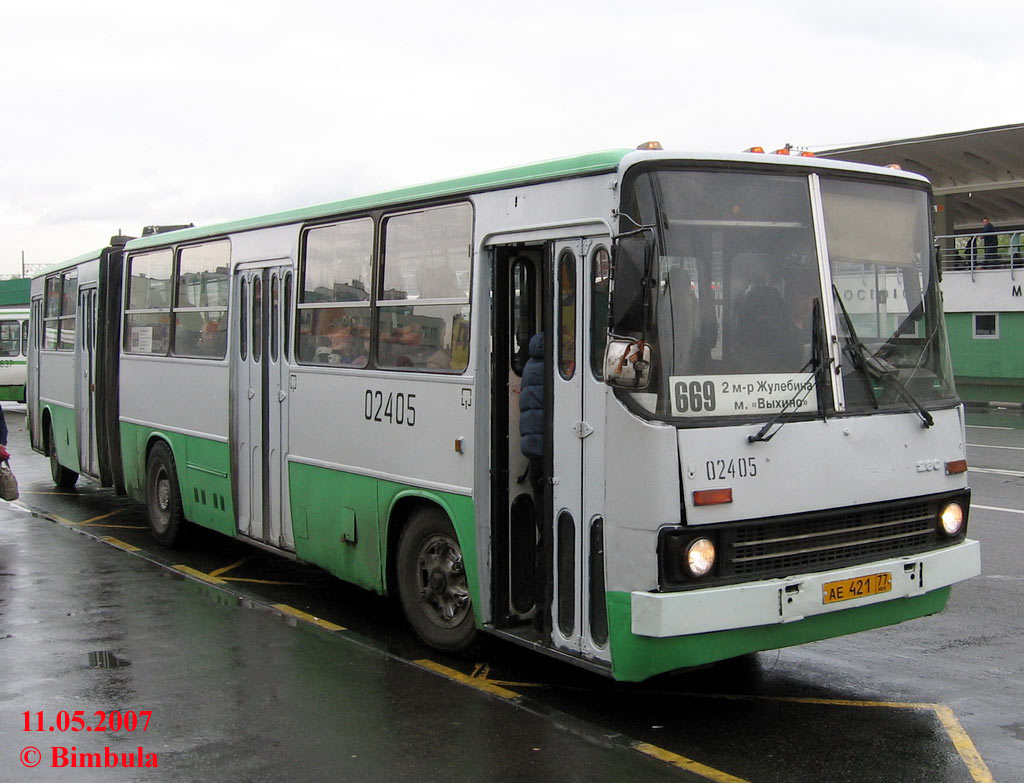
738,306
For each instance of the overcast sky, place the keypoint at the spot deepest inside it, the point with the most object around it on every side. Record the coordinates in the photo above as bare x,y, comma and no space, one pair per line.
122,113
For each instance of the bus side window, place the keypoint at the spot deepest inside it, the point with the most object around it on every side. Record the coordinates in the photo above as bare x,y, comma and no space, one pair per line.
423,303
334,295
201,301
10,338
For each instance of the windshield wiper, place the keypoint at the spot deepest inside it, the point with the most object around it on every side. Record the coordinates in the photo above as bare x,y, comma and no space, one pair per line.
818,364
869,365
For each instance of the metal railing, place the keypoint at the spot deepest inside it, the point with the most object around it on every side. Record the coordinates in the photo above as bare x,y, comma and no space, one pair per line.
981,252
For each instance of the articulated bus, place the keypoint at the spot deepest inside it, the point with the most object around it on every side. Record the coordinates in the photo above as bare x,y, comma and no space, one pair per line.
752,438
13,353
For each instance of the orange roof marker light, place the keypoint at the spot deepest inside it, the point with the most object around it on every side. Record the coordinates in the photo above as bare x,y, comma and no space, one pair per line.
650,145
758,150
789,149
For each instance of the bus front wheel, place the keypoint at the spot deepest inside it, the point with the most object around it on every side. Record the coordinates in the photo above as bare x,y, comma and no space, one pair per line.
432,583
62,477
163,498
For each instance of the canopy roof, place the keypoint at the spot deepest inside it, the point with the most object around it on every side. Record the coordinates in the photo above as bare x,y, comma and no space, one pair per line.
975,173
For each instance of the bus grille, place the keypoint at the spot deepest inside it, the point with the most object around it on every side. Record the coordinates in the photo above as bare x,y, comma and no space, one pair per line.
810,544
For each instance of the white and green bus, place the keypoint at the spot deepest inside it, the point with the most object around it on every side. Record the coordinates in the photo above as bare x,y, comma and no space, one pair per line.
13,353
752,438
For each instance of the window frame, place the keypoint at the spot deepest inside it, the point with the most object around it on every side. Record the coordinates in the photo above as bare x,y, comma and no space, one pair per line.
318,307
173,308
382,305
377,307
975,334
64,317
17,340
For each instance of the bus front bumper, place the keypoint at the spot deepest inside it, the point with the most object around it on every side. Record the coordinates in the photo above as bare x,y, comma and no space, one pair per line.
788,599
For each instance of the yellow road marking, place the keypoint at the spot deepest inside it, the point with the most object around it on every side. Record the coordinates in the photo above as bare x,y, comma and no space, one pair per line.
962,742
118,527
979,771
225,569
259,581
474,682
102,516
198,574
119,544
482,671
289,610
479,680
684,763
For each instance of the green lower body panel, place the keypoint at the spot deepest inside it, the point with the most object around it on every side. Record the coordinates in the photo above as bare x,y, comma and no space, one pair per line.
12,393
636,658
204,473
340,522
65,435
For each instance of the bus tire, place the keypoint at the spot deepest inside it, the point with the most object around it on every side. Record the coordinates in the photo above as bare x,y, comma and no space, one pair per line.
62,477
432,583
163,497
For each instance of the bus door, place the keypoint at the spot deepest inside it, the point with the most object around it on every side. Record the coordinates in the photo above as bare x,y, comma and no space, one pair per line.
260,409
32,378
85,393
576,437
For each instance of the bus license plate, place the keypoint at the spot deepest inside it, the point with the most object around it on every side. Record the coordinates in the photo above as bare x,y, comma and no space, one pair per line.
847,589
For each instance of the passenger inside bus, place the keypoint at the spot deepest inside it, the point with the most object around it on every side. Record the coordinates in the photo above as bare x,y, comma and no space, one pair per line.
347,348
761,331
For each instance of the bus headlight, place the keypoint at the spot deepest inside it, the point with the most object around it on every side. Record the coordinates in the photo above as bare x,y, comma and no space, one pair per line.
951,519
700,556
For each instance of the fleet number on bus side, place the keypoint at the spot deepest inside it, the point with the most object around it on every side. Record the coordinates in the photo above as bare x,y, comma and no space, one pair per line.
389,407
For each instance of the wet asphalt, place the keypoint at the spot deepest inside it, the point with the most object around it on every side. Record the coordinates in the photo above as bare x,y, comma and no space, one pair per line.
233,682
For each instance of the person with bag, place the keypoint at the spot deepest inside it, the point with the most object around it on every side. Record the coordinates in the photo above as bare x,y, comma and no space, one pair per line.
4,453
8,483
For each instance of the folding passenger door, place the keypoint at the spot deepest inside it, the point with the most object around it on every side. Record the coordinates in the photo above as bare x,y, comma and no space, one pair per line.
577,443
260,412
85,391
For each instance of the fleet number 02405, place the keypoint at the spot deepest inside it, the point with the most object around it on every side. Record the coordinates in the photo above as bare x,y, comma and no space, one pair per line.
720,469
390,407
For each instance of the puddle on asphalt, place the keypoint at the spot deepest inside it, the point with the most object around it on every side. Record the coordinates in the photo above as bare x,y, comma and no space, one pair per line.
105,659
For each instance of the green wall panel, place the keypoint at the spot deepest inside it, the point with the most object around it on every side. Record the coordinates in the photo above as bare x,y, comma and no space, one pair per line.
1001,358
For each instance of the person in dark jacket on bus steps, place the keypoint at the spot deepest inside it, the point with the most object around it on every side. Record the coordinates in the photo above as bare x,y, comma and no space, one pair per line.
531,412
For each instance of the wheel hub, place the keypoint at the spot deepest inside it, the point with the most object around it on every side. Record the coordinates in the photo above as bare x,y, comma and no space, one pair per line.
443,590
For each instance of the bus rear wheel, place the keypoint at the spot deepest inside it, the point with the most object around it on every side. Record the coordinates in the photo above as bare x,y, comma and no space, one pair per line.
62,477
432,584
163,498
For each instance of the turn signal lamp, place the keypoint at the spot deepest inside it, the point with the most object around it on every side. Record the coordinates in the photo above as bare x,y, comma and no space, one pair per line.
712,497
650,145
956,466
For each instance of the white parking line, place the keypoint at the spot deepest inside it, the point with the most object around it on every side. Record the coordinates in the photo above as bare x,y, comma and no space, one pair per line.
986,446
998,508
997,472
